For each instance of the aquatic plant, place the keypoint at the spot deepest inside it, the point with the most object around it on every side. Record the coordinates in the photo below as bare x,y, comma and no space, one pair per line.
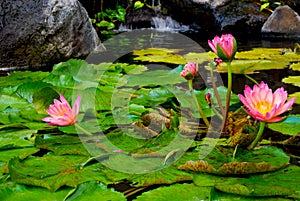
188,72
61,113
225,47
265,106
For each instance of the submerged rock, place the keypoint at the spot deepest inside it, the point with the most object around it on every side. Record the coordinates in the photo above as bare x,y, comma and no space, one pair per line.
40,33
284,22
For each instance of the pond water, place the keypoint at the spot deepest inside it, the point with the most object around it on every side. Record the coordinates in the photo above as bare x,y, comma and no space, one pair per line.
116,110
122,45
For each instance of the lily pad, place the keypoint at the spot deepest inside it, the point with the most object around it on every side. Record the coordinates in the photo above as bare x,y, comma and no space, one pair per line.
282,183
61,145
154,78
297,95
53,172
177,192
252,66
159,55
23,153
220,161
16,139
289,126
16,192
295,66
294,80
92,190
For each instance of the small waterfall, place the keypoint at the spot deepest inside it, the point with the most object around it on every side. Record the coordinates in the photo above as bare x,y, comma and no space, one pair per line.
168,24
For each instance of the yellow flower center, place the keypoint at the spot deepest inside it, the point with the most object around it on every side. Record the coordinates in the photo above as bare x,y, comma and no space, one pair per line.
263,107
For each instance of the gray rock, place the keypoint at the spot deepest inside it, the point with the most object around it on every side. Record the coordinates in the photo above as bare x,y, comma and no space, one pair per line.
44,32
283,22
235,16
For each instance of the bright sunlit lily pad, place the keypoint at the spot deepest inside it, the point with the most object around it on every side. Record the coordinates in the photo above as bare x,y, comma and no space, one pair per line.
159,55
295,66
252,66
294,80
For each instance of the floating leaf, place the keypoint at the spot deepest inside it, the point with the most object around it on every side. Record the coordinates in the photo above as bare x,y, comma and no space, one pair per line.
8,154
11,82
154,78
268,54
282,183
16,192
92,190
200,57
168,175
252,66
159,55
62,145
16,139
27,89
289,126
219,161
53,172
295,66
297,95
177,192
294,80
44,97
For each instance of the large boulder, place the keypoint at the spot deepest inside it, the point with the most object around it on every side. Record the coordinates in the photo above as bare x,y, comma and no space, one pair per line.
35,33
284,22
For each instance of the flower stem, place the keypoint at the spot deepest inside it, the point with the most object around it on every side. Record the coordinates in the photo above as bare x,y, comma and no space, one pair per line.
229,87
253,80
82,129
258,136
216,91
190,82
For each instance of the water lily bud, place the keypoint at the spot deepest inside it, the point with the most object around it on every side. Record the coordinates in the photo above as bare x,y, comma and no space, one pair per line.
224,47
189,70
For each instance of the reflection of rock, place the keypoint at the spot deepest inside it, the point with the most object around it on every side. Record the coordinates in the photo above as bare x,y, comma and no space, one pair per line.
39,33
283,22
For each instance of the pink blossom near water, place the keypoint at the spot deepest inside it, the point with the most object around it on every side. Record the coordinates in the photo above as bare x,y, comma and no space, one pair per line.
264,105
61,113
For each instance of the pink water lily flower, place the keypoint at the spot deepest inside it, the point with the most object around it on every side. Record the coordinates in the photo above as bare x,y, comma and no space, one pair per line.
189,70
61,113
224,47
264,105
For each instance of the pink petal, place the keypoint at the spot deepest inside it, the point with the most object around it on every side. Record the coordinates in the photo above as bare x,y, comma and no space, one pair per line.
76,105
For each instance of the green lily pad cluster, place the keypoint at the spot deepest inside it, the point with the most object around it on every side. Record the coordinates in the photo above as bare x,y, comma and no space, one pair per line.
141,112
